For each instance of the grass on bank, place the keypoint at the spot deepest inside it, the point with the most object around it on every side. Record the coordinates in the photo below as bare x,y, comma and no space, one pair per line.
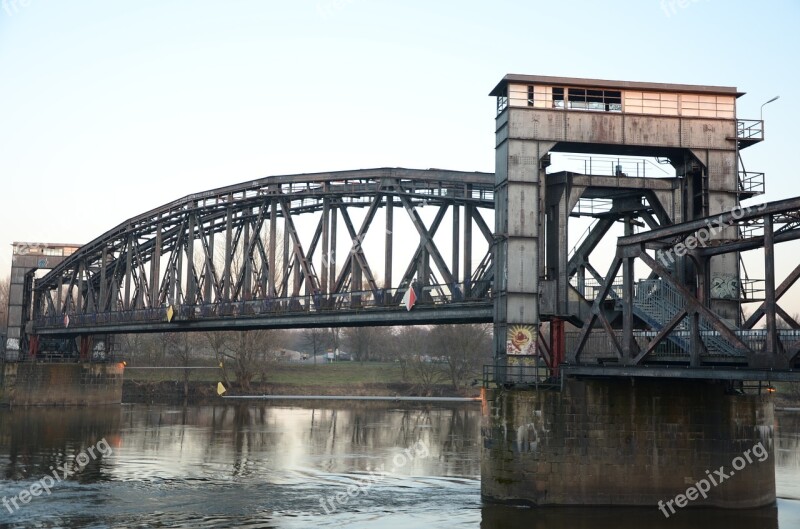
334,374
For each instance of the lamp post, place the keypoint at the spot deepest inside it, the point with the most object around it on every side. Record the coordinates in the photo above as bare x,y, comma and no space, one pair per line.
762,113
767,103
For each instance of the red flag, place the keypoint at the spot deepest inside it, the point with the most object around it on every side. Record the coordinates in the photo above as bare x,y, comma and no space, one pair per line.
410,298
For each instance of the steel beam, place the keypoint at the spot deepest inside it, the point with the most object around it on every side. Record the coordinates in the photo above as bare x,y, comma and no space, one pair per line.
430,247
574,355
388,243
771,345
729,218
326,220
785,285
589,243
705,373
456,241
456,314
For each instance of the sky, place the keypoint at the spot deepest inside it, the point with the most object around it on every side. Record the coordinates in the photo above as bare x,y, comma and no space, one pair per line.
111,108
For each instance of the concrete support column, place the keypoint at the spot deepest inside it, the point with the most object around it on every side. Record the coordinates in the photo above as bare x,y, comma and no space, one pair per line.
557,345
26,259
719,187
61,384
518,221
624,442
15,312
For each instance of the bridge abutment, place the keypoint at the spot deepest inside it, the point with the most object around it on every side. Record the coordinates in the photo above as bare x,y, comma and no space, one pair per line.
60,384
628,442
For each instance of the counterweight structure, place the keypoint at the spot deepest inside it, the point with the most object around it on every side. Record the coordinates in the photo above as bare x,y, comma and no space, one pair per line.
687,310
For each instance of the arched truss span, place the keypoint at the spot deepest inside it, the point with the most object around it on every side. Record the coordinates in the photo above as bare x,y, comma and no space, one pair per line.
285,251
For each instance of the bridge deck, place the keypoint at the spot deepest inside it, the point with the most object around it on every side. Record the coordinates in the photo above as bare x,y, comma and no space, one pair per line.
283,314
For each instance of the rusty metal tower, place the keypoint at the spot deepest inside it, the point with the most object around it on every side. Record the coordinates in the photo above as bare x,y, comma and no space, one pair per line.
688,311
642,315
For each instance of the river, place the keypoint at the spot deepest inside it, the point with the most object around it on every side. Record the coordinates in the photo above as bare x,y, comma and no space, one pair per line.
341,464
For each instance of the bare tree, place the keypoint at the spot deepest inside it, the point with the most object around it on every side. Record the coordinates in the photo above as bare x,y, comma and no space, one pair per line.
409,343
180,350
368,343
247,353
142,349
783,324
426,374
464,349
411,347
334,338
317,339
179,346
131,347
217,342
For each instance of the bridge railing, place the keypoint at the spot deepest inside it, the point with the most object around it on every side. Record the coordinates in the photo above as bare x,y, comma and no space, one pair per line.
603,350
497,375
750,129
364,300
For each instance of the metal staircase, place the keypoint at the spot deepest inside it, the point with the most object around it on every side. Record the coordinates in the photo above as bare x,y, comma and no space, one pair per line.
656,302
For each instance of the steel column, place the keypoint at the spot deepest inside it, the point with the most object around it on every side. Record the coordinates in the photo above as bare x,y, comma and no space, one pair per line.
456,235
467,250
388,243
273,235
326,214
771,345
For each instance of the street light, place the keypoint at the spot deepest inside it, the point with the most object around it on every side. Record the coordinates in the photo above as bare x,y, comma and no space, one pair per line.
767,103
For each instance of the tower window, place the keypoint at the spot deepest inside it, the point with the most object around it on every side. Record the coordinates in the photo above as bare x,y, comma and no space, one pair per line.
558,97
502,103
594,99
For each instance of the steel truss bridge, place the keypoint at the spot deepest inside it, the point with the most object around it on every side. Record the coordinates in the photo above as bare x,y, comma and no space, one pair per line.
284,251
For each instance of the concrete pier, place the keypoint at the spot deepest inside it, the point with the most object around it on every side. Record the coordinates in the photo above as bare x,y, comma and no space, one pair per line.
73,384
624,442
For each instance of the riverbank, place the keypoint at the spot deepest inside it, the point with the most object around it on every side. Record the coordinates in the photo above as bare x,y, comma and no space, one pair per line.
166,386
171,392
344,378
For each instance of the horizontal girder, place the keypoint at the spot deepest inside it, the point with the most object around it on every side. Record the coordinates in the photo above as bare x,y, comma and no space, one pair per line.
478,312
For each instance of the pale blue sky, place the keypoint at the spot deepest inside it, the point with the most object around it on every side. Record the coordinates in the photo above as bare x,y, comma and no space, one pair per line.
108,109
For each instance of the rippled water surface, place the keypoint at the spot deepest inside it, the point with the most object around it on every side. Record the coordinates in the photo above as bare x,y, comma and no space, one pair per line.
264,466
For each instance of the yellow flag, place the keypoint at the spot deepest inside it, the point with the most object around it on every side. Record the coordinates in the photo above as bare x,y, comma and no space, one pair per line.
170,313
220,388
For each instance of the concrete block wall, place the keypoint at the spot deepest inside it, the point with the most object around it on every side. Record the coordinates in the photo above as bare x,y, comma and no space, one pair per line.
38,384
623,442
